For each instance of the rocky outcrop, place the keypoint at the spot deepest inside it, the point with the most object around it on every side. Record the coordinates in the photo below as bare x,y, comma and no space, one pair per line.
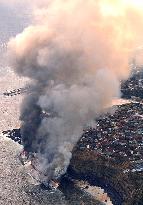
125,188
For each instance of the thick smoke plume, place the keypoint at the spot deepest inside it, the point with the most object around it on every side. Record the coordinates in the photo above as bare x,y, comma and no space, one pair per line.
75,54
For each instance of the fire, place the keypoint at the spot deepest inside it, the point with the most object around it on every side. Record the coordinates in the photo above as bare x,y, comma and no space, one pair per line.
31,161
74,50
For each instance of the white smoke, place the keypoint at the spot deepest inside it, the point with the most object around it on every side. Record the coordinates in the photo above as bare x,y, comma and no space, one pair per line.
76,53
